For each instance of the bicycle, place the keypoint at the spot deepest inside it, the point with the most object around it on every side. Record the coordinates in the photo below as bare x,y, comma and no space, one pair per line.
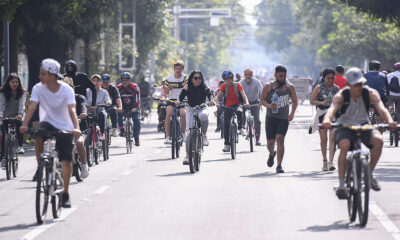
195,140
10,147
394,134
128,123
76,165
94,147
250,125
175,131
50,182
233,131
145,108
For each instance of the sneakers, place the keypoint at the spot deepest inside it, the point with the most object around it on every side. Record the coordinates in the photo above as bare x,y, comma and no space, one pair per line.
114,132
205,140
20,150
102,137
226,148
137,143
217,130
279,169
324,166
85,170
258,143
331,166
375,184
342,193
167,141
3,164
186,161
242,132
122,132
270,161
66,203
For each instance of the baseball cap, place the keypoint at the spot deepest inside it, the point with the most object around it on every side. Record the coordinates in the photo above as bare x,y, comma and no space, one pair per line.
95,75
105,78
52,66
354,76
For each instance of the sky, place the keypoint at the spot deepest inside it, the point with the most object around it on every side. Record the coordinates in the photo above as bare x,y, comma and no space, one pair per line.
249,5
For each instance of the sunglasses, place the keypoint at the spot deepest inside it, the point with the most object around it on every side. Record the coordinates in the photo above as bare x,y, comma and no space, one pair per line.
197,78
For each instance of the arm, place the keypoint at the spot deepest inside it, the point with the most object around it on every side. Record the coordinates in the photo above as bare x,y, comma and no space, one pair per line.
89,84
335,106
218,97
74,118
83,108
31,110
244,97
295,102
21,105
183,94
264,96
314,96
108,101
2,104
376,101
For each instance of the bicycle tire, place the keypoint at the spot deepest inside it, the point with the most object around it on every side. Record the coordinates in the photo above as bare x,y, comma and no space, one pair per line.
232,137
8,161
351,201
364,181
42,193
173,138
198,152
104,149
391,137
56,200
77,169
192,150
250,131
88,147
396,138
96,155
15,162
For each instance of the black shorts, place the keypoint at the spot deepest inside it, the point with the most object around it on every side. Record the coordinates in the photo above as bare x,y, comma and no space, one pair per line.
64,142
345,133
274,126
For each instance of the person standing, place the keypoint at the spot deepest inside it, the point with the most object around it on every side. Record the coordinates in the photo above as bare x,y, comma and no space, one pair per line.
277,118
253,88
340,80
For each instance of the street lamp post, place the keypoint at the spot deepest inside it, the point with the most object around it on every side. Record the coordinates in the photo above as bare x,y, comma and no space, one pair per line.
6,43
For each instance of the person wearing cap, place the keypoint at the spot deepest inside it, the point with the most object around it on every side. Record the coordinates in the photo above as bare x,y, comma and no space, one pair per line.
352,103
340,80
394,87
116,105
130,97
102,98
57,112
81,81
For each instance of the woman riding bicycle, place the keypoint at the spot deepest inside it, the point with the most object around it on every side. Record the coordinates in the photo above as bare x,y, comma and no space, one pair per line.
197,93
102,98
12,104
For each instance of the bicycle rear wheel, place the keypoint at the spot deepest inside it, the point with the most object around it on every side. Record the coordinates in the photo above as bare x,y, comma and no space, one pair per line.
173,138
352,200
192,150
232,137
42,193
250,131
7,154
396,138
104,144
364,183
77,168
198,152
56,200
15,163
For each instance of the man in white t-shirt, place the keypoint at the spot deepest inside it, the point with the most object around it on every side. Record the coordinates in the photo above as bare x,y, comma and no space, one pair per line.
56,112
393,87
173,87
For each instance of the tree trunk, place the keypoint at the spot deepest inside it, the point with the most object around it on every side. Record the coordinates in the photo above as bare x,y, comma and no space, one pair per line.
86,55
14,45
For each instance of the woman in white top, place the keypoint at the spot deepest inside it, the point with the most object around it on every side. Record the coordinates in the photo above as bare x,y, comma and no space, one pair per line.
102,98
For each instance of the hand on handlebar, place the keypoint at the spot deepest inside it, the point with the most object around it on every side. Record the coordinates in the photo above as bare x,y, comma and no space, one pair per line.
76,132
177,103
212,103
82,116
118,110
393,125
23,129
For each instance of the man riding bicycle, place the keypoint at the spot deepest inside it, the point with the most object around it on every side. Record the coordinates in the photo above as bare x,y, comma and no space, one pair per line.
234,96
173,87
145,99
116,105
130,97
352,103
253,88
394,88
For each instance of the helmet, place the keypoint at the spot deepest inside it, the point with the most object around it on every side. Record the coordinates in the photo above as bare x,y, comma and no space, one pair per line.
227,74
126,75
374,65
396,66
105,78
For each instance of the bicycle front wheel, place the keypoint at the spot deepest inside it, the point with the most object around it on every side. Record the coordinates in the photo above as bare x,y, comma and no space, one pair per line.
351,201
77,168
42,193
192,151
198,152
250,131
172,132
232,137
56,200
364,183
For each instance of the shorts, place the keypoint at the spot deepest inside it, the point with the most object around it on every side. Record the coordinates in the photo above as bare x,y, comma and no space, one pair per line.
321,118
345,133
274,126
64,142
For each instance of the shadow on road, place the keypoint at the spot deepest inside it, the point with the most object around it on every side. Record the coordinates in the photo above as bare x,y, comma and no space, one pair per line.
160,160
174,174
219,160
315,175
338,225
17,227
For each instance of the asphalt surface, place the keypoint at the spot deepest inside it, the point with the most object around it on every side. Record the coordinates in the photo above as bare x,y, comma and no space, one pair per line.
147,195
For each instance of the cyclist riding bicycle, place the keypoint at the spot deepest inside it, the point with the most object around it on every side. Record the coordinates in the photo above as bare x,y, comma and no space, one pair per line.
145,88
394,88
102,98
197,92
173,87
57,112
12,104
116,105
253,88
234,97
130,97
352,105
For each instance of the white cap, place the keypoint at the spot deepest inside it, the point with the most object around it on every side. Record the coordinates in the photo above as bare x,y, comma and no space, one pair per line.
354,76
51,66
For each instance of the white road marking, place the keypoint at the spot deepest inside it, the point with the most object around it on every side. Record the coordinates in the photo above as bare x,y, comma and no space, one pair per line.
127,172
101,189
385,221
48,224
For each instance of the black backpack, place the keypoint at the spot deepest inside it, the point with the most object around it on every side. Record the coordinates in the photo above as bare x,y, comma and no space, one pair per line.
346,100
394,85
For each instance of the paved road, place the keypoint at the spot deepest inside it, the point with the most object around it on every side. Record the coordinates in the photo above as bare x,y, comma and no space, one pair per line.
147,195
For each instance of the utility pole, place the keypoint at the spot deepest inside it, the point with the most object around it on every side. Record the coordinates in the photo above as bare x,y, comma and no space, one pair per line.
6,43
127,40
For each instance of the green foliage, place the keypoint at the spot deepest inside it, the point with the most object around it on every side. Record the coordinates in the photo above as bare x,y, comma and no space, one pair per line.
8,8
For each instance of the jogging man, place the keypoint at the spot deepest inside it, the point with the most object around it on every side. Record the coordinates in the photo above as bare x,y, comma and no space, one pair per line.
277,118
357,99
57,112
116,105
253,88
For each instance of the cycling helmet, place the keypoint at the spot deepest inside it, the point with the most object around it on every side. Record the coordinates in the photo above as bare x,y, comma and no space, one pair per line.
126,75
374,65
227,74
396,66
105,78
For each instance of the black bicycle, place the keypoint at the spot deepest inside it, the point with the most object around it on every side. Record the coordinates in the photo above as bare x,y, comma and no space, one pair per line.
50,183
250,125
128,123
175,131
94,146
11,146
233,130
195,140
394,134
76,165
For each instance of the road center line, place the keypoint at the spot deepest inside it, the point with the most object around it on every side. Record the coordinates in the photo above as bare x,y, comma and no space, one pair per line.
48,224
384,220
101,189
127,173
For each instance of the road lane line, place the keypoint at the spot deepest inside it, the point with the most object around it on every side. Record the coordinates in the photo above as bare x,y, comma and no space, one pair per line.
385,221
48,224
127,173
101,189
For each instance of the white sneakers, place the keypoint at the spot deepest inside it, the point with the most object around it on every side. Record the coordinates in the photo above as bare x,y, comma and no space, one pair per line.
114,132
226,148
242,132
167,141
85,170
186,161
205,140
20,150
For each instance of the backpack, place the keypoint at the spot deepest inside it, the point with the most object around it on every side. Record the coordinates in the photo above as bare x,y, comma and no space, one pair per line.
237,94
346,100
394,85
